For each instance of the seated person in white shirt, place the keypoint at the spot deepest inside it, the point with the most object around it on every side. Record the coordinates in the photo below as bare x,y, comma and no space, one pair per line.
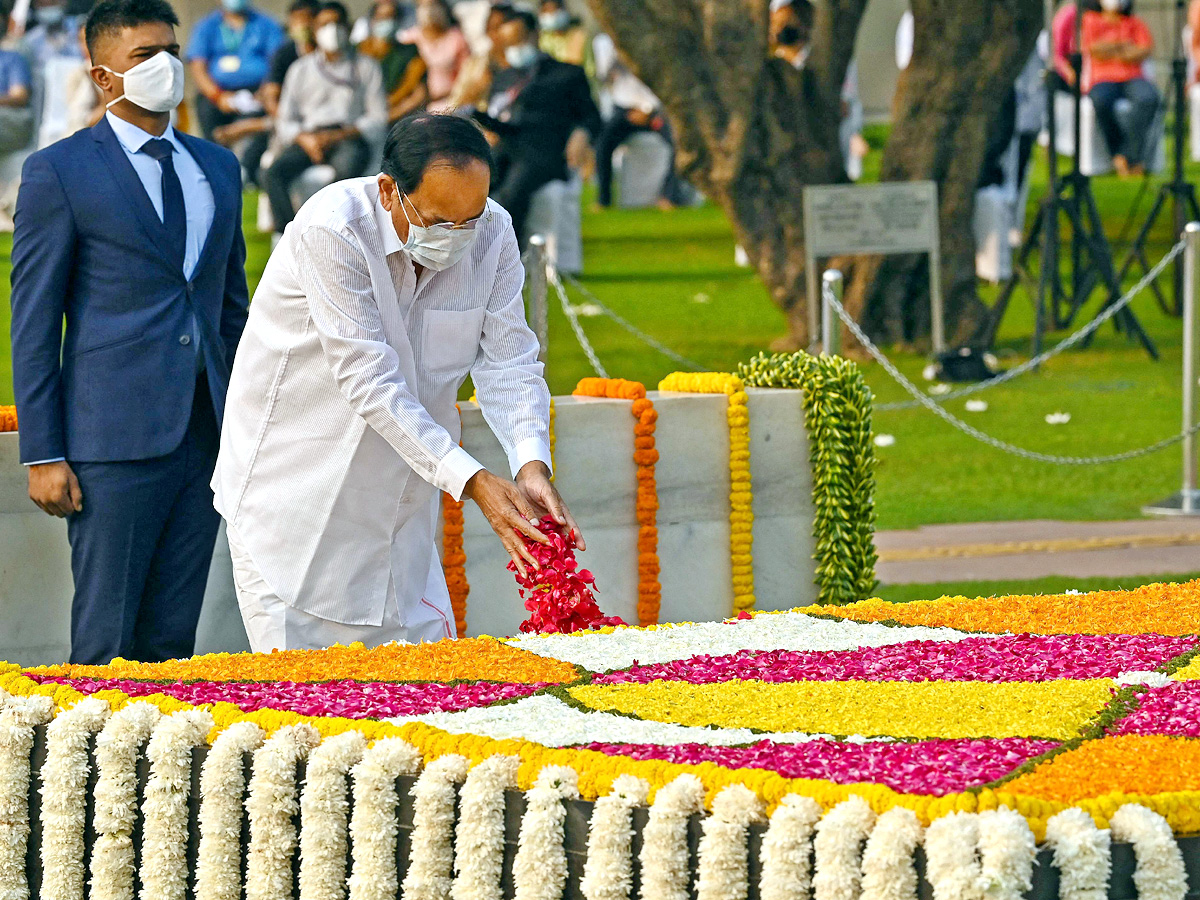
332,110
340,425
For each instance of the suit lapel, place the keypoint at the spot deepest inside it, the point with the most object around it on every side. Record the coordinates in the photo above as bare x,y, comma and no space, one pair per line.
130,186
223,207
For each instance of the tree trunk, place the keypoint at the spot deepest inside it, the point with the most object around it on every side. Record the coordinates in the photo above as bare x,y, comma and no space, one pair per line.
966,55
751,131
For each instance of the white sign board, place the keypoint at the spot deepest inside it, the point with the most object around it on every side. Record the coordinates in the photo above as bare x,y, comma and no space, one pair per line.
891,217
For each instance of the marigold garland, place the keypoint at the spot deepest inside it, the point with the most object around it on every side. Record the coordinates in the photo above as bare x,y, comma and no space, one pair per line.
454,555
645,456
741,497
8,418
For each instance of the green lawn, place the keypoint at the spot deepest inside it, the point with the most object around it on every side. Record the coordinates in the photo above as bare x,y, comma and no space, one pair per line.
673,274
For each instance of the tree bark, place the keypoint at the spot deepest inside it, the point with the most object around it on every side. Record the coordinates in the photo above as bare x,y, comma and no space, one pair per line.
966,56
751,131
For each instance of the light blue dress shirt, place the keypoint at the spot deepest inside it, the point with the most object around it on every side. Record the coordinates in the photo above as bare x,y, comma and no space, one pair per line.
197,192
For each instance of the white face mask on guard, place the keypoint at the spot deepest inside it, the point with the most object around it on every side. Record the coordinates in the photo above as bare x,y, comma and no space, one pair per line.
435,247
155,85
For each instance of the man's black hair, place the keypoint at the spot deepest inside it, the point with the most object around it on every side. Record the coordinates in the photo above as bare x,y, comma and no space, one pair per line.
417,140
310,6
111,16
517,14
334,6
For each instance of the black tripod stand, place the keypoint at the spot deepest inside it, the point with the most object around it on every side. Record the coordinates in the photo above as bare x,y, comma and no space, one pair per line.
1068,196
1179,190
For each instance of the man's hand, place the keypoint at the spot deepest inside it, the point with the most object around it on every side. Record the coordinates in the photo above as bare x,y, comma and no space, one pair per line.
509,514
541,494
312,145
54,488
224,102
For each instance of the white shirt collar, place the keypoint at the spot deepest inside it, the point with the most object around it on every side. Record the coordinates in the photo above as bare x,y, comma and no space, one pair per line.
133,138
387,231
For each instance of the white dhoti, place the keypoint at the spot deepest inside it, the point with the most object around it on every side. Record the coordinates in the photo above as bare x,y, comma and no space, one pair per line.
273,625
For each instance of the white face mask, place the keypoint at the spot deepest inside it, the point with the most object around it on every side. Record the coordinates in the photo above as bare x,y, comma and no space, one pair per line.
155,85
331,37
434,247
521,56
1112,5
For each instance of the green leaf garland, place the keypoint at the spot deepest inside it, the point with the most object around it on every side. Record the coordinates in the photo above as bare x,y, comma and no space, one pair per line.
837,414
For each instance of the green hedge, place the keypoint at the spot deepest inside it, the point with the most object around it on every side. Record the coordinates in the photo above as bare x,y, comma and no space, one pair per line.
837,413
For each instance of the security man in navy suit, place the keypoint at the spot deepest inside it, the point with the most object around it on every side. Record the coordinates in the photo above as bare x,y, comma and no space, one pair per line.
130,232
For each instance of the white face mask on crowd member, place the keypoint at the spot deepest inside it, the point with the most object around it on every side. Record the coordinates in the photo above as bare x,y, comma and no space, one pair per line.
155,85
555,21
1112,5
331,37
521,56
436,247
384,29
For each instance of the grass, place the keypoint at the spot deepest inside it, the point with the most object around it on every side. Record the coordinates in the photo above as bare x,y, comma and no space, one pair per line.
673,275
1055,584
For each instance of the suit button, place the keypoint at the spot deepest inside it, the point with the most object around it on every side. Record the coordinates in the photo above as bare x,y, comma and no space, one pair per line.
185,339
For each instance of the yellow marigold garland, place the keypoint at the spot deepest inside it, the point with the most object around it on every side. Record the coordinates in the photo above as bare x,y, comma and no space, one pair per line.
741,497
8,418
645,455
553,441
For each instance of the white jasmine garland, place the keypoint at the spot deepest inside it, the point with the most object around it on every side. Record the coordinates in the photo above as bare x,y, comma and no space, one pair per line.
608,871
324,813
540,868
271,804
164,872
479,834
787,849
117,749
432,859
1160,874
1007,851
64,778
222,784
838,849
373,824
1150,679
665,861
724,869
1082,855
18,716
952,860
888,871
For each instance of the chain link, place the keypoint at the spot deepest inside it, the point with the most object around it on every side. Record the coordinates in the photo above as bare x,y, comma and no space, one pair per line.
1082,334
930,404
646,339
573,318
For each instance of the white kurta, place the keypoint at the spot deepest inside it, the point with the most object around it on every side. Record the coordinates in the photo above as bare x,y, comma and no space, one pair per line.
340,425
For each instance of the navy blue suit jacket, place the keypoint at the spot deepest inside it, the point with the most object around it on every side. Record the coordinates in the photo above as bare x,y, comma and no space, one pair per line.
118,383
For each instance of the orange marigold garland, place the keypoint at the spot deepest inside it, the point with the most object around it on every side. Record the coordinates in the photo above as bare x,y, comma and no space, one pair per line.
645,456
8,418
454,557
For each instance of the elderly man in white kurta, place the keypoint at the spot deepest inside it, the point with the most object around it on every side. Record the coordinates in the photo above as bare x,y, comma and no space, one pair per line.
340,426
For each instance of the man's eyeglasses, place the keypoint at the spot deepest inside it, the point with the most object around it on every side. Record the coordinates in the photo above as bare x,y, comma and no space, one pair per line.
469,225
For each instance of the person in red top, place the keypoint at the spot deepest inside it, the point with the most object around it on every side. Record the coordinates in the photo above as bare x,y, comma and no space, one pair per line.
1115,45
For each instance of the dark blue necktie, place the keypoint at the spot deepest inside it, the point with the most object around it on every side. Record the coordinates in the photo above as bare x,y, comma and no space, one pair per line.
174,213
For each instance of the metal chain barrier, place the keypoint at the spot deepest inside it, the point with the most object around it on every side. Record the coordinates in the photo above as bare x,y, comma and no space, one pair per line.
573,318
932,405
646,339
1082,334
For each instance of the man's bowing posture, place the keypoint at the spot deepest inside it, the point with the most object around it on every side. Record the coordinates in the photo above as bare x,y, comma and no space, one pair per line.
130,231
340,429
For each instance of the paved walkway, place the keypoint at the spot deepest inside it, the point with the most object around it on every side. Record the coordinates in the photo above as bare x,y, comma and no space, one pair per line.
998,551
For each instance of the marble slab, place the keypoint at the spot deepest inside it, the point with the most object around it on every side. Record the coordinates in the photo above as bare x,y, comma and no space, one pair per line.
597,476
